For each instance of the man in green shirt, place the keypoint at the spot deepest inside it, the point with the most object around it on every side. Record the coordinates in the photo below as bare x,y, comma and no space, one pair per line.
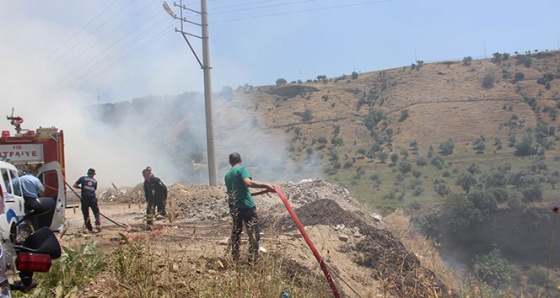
242,207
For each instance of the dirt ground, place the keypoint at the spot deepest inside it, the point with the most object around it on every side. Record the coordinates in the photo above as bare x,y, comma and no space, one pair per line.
363,259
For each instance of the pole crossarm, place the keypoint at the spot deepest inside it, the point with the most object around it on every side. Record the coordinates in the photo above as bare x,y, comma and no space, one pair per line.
187,33
186,8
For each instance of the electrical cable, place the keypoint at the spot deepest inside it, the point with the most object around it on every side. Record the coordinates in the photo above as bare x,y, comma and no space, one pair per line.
304,10
100,64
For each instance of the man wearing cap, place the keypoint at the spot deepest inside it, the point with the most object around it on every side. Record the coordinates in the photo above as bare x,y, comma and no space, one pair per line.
88,185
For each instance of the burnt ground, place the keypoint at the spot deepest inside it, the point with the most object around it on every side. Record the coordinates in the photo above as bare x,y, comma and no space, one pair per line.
364,259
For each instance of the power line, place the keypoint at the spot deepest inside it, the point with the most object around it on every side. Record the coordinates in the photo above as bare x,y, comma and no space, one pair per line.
123,48
93,31
96,67
67,41
306,10
262,7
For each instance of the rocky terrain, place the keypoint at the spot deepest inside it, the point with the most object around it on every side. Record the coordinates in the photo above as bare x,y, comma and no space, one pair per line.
363,258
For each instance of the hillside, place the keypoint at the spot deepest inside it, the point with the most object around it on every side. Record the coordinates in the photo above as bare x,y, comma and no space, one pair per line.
467,148
439,101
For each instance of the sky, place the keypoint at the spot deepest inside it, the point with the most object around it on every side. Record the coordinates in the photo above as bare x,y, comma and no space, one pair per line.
57,58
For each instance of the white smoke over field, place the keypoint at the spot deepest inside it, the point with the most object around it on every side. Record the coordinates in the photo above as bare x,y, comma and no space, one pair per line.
169,134
86,79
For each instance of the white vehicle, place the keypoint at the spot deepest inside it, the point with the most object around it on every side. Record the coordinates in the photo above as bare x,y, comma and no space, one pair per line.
17,241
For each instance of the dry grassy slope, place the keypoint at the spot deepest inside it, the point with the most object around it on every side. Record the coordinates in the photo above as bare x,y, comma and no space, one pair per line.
444,100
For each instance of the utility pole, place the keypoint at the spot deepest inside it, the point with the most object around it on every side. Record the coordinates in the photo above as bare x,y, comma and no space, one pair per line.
205,65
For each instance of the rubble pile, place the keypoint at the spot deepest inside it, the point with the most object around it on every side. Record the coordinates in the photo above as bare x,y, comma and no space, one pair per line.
315,202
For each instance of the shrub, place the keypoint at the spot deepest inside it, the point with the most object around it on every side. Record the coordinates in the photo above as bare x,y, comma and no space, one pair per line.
495,178
466,181
537,276
467,60
382,156
518,76
447,147
524,59
496,57
373,118
337,141
492,268
545,80
394,158
307,115
405,167
525,147
441,187
483,201
281,82
404,115
489,81
74,269
438,162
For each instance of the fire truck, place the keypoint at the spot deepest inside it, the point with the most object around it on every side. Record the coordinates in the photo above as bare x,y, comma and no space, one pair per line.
43,146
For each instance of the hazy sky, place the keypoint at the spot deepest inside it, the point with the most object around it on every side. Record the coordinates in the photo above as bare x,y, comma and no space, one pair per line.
57,57
121,49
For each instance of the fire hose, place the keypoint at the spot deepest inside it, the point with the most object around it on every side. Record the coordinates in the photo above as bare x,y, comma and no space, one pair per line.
120,224
307,240
125,238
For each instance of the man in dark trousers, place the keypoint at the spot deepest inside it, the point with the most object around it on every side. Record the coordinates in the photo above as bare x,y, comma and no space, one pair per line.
32,189
88,185
156,195
242,207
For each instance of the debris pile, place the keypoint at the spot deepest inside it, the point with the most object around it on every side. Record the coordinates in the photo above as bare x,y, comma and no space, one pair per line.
316,203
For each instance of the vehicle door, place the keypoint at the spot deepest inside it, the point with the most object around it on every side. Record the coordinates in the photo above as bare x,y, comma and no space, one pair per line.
51,176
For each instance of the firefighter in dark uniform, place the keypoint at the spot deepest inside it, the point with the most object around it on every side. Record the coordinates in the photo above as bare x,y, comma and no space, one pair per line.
88,185
156,195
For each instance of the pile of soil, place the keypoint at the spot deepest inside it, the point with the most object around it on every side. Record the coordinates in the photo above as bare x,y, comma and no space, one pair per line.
354,243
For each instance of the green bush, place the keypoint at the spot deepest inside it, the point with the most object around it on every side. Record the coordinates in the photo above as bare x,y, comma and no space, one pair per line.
441,187
519,76
307,115
421,161
489,81
438,162
525,147
281,82
466,181
526,60
404,115
447,147
74,269
492,268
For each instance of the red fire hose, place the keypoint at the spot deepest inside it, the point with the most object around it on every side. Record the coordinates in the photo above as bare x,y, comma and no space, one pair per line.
309,242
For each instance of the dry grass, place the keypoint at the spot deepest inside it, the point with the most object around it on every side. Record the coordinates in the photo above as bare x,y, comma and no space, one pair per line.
424,249
148,269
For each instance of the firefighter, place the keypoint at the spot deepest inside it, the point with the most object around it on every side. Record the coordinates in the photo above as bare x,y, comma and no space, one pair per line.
242,207
156,195
32,189
88,185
